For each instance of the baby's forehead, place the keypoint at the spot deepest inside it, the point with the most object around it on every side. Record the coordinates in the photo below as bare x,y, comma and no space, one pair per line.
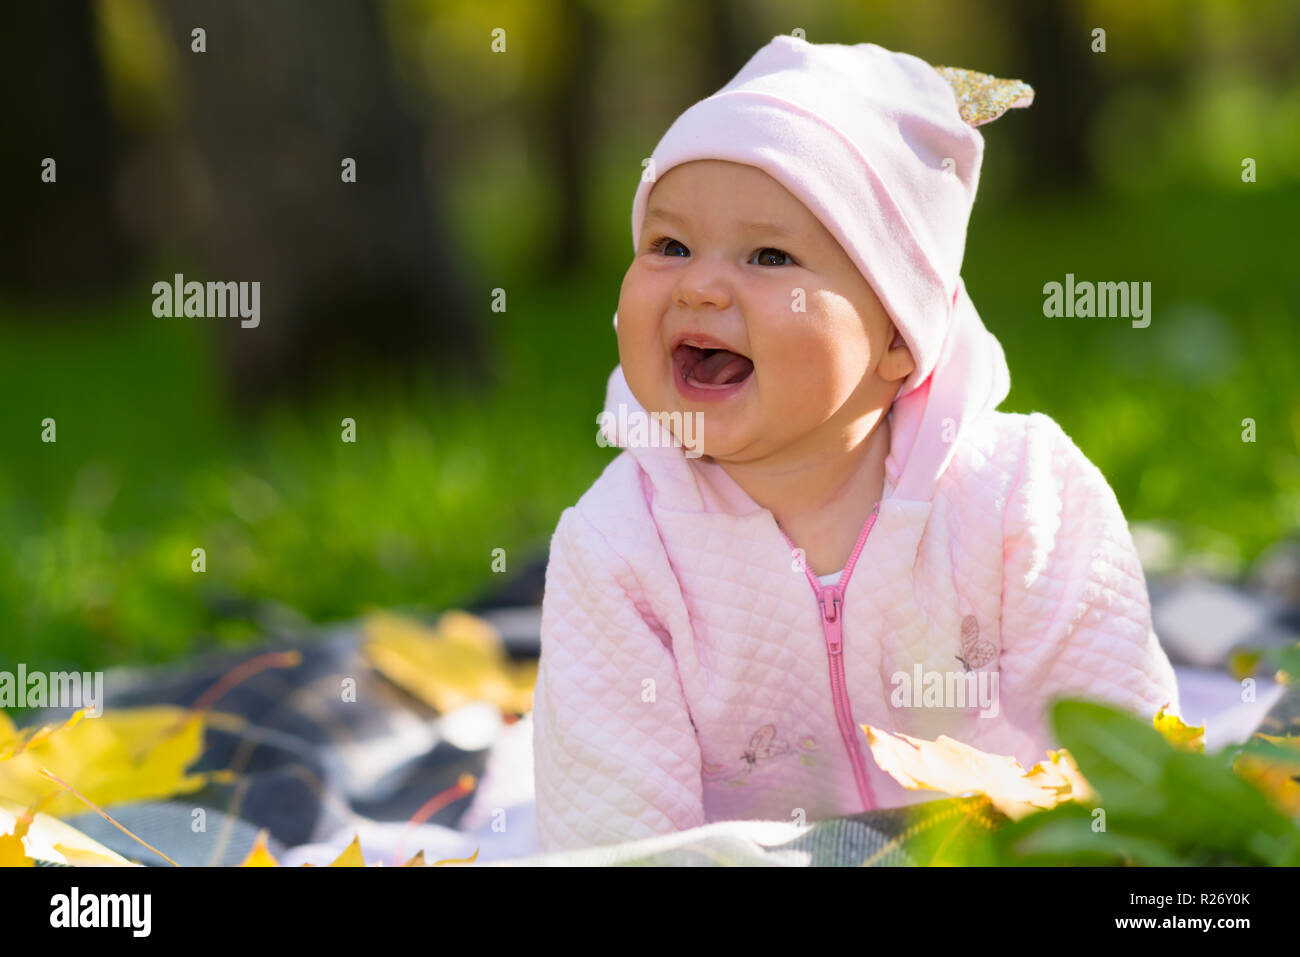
717,172
731,195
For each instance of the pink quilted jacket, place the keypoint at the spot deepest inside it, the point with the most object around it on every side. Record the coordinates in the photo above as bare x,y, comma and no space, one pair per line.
692,671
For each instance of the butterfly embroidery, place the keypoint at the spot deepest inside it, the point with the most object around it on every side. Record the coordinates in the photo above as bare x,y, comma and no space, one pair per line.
976,652
763,746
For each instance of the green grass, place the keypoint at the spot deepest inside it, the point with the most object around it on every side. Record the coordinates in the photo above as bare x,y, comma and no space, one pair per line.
99,527
1160,409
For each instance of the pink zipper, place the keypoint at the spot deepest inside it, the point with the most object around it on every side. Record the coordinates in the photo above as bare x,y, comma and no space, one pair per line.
831,600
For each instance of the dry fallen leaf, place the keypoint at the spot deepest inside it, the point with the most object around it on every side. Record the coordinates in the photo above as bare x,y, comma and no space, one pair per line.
1180,735
351,856
13,847
955,768
461,659
1278,779
259,856
134,754
14,742
457,860
48,839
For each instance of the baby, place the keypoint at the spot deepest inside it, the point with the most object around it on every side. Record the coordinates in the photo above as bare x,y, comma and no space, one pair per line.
820,520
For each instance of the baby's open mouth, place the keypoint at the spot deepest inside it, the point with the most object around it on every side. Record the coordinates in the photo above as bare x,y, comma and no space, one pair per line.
711,367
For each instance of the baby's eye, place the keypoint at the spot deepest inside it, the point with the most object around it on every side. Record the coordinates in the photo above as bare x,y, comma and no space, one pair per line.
662,242
768,250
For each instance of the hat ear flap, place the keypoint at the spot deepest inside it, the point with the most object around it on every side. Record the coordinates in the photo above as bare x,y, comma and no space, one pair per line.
982,98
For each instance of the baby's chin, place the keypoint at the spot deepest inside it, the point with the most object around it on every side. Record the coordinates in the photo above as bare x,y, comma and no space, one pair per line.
703,433
719,430
717,442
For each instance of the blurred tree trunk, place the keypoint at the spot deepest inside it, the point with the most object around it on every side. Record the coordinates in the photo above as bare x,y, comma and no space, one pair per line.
728,44
59,238
568,134
1055,48
351,273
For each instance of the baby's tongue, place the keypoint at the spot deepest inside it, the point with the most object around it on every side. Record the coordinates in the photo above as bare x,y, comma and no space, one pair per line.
722,368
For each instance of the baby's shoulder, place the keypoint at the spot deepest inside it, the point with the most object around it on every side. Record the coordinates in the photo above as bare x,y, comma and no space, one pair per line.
991,448
617,495
616,506
1004,449
1043,445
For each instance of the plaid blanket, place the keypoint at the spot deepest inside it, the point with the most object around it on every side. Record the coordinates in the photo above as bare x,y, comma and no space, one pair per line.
872,839
314,770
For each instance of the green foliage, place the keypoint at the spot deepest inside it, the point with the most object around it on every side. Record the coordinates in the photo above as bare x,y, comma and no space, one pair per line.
1162,806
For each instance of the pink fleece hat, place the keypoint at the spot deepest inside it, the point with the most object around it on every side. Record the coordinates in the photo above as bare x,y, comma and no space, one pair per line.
880,147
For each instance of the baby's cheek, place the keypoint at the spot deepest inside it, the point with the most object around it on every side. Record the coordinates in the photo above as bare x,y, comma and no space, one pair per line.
632,357
847,356
634,324
635,293
644,367
814,363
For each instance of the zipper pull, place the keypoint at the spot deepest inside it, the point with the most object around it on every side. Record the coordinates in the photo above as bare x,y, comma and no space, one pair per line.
831,617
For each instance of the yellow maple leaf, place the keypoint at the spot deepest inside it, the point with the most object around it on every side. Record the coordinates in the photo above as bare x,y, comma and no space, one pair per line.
461,659
30,834
13,850
1278,779
955,768
259,856
1180,735
134,754
351,856
1060,773
457,860
14,741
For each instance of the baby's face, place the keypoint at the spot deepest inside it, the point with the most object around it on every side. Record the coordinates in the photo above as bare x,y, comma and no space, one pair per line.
729,259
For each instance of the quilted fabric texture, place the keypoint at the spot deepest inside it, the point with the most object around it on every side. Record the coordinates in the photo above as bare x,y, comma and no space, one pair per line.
684,676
